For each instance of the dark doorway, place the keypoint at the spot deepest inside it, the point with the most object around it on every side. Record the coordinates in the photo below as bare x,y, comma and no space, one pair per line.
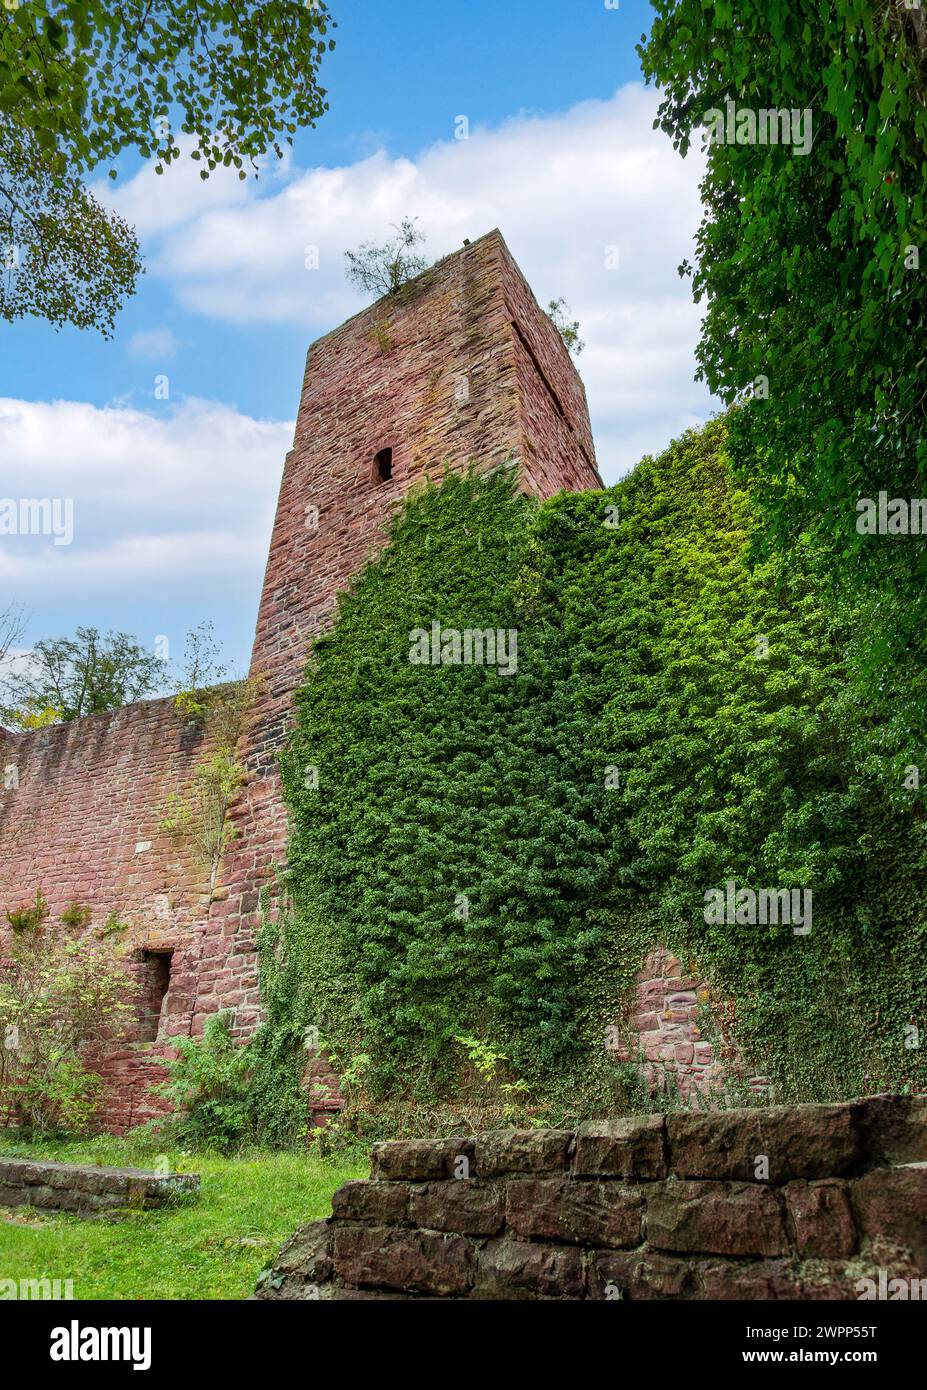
155,982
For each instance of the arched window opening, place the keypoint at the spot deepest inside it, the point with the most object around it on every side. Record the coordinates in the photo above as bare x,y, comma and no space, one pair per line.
383,465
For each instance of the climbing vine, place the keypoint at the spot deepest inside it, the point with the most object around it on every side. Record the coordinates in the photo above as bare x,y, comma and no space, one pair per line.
488,854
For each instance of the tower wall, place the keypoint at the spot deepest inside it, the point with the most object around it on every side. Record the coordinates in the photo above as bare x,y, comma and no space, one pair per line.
461,366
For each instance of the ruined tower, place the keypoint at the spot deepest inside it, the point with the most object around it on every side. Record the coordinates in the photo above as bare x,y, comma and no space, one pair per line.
461,366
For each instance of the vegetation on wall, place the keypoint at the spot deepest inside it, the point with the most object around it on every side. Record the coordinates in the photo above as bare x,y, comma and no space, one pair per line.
382,269
221,712
489,856
809,260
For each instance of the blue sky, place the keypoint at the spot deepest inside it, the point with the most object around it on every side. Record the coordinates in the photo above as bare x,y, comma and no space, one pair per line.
173,498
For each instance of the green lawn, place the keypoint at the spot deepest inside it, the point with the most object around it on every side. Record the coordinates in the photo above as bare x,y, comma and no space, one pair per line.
211,1247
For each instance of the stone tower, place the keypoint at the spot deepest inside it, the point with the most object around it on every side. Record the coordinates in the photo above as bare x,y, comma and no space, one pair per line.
461,365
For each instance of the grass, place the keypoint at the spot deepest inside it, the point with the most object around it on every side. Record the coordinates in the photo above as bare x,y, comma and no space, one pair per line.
211,1247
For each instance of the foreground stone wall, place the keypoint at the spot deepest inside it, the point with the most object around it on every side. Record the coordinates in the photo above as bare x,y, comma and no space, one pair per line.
87,1189
801,1203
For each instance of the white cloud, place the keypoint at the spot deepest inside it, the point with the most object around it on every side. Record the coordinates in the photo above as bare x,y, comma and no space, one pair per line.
562,189
164,505
153,344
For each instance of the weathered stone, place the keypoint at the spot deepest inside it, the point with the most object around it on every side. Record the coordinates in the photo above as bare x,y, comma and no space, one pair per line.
820,1216
408,1260
715,1218
640,1275
893,1128
623,1148
77,1187
515,1269
420,1160
761,1280
303,1268
803,1141
585,1213
522,1151
307,1253
383,1203
472,1208
891,1203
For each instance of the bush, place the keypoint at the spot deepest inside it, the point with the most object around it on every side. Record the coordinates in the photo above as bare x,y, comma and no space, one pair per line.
59,1001
209,1084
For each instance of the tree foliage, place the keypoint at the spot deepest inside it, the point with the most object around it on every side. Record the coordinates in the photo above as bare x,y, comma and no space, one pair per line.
67,677
810,270
559,313
82,81
63,256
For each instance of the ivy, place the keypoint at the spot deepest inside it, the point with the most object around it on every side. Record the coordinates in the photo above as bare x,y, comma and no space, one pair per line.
487,856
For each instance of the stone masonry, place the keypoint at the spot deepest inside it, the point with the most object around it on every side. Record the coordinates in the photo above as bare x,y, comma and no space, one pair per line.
81,823
666,1034
87,1189
810,1202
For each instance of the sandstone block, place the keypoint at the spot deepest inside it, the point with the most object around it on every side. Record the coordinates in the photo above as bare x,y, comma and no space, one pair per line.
820,1216
623,1148
593,1213
804,1141
406,1260
715,1218
472,1208
527,1151
515,1269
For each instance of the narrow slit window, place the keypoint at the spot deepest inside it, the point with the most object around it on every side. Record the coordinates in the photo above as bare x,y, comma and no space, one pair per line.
383,465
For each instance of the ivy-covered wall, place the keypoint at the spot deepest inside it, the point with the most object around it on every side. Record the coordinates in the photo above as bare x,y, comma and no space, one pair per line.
487,853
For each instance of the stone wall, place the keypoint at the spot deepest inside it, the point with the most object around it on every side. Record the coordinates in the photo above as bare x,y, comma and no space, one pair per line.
74,1187
801,1202
79,814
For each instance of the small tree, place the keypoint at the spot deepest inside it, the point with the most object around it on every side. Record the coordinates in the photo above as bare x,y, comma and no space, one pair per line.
67,677
59,999
380,270
559,315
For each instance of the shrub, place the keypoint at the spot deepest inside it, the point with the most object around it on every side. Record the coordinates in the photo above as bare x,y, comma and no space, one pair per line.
209,1084
59,1000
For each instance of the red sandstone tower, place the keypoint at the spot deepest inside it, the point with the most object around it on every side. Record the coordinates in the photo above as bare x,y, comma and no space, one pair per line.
461,366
